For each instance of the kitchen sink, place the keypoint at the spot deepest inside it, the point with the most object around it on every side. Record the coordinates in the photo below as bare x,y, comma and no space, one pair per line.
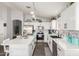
55,36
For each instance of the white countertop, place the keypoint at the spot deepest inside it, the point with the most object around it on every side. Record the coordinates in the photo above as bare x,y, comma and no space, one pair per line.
20,41
64,44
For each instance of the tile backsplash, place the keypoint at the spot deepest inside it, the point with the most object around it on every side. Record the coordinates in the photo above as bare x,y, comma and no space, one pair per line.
72,36
74,33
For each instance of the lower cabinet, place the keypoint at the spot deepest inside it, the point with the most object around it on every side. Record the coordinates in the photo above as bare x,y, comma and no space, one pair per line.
57,49
60,51
54,48
50,44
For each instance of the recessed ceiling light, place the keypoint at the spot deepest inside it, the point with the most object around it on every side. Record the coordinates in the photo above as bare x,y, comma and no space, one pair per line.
32,12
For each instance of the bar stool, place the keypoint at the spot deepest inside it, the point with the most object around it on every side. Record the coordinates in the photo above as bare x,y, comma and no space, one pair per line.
6,47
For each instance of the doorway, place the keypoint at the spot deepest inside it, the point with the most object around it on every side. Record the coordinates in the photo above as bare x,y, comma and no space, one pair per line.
17,28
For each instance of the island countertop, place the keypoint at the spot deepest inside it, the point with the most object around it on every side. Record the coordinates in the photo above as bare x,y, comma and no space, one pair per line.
20,41
21,46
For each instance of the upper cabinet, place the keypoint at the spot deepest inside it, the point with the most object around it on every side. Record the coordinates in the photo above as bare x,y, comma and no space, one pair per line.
67,21
46,25
54,24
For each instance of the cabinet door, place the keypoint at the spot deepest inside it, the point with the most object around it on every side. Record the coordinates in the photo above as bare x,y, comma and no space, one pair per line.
54,24
60,51
54,47
50,44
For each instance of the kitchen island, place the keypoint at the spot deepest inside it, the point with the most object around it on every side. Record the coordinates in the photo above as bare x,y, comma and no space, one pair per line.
21,46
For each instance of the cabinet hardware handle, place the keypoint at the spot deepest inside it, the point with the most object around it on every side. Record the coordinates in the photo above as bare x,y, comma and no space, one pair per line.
59,49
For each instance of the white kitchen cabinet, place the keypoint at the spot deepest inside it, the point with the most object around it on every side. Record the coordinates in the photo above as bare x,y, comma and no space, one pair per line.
46,25
50,43
60,51
54,24
45,35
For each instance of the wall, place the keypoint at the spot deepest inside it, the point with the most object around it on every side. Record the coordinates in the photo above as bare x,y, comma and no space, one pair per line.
9,23
68,16
77,16
16,15
7,15
3,19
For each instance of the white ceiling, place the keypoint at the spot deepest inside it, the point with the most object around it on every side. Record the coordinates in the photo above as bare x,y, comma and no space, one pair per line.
43,9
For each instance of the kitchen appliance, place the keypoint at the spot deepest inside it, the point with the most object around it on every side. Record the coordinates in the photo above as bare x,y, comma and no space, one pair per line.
40,33
40,36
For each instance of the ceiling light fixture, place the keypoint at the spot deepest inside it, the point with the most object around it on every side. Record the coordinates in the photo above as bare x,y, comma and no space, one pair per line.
28,7
33,16
31,12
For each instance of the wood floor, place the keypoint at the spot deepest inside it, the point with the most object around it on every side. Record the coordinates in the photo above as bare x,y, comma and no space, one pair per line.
42,49
39,50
